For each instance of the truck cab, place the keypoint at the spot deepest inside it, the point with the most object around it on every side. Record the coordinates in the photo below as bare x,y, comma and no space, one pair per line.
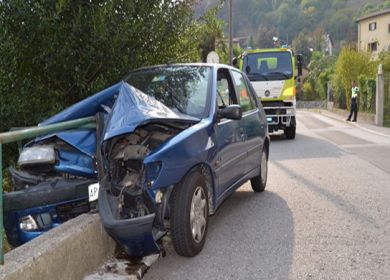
274,74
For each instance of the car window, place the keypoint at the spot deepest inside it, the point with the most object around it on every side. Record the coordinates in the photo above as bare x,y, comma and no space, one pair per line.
225,90
246,99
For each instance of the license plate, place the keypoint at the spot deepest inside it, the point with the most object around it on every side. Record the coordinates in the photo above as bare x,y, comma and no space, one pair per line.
93,191
269,119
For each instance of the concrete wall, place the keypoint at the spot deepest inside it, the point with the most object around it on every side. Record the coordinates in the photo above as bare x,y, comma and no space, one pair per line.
70,251
311,104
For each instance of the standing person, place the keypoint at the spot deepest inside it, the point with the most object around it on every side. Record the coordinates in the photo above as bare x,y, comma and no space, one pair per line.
354,106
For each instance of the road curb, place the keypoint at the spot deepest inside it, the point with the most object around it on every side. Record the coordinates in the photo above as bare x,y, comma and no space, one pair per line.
69,251
335,116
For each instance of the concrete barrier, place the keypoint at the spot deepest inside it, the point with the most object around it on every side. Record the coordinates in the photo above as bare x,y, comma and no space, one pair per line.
71,251
311,104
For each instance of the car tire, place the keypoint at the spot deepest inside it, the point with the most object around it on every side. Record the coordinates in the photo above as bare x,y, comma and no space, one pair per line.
259,182
189,214
290,131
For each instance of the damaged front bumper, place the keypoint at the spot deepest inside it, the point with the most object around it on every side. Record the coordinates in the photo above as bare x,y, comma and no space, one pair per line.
137,235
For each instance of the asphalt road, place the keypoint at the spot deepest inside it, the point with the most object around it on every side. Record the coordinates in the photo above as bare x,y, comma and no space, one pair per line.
324,215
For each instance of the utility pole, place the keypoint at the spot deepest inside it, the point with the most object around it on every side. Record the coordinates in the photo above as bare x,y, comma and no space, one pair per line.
230,32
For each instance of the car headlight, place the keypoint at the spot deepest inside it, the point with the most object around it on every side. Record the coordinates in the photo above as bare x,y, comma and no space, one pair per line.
36,222
37,154
290,111
28,223
152,171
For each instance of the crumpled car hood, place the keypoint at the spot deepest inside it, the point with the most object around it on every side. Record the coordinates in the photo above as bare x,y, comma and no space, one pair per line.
134,108
125,108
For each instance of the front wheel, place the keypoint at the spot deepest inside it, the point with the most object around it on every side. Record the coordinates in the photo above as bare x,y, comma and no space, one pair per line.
290,131
189,214
259,182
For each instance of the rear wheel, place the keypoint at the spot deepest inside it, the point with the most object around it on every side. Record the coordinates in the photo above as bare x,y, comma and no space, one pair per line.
259,182
189,214
290,131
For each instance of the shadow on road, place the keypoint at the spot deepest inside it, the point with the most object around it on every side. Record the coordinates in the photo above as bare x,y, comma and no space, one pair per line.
251,236
337,200
282,149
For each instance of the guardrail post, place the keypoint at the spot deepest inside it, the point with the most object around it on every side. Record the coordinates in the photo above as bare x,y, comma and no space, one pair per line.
1,208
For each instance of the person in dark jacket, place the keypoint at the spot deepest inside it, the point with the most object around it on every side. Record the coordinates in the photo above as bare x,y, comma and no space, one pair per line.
354,106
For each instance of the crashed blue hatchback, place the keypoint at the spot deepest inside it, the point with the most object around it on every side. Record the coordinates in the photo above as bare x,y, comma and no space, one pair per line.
173,142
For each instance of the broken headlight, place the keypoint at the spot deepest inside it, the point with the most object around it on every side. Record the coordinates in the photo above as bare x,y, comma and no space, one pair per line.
37,155
152,171
35,222
27,223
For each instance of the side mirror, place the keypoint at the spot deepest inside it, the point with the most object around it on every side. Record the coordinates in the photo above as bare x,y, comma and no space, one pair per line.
300,64
232,112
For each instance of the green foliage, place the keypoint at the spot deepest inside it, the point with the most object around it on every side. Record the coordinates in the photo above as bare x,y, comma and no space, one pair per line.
286,19
212,32
301,45
374,7
367,93
349,66
321,69
309,93
384,59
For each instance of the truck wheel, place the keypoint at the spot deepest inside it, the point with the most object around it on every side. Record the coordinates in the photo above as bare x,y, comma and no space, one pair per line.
189,214
258,183
290,131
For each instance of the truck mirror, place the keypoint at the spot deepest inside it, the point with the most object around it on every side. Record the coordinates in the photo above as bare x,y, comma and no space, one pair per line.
300,64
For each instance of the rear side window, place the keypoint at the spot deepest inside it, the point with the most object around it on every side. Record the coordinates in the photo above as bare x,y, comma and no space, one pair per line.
245,97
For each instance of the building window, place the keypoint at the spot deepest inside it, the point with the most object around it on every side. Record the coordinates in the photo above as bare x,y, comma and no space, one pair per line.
372,47
372,26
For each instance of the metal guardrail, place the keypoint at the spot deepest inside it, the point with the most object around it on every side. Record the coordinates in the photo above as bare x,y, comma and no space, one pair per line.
18,135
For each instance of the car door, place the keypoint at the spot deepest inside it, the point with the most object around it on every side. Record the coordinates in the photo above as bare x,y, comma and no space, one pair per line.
231,154
253,125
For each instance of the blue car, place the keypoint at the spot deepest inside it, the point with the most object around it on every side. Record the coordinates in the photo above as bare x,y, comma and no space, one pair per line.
178,140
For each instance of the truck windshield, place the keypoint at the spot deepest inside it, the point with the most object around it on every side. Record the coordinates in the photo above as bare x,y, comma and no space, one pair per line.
268,66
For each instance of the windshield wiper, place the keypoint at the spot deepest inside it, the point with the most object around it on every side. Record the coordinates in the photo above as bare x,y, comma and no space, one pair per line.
279,73
258,75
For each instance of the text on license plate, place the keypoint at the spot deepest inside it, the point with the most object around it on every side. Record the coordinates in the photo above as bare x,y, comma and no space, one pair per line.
93,192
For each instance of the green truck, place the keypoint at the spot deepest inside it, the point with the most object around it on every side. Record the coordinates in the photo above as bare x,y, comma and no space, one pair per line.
274,74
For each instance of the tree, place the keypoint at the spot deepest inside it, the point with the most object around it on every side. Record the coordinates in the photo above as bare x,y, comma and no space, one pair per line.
263,36
212,33
350,64
301,45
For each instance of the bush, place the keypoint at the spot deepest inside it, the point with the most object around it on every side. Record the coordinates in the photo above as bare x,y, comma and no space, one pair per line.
349,66
309,93
367,94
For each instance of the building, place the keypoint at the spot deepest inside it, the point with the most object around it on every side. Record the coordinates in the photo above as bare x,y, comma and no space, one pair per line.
374,32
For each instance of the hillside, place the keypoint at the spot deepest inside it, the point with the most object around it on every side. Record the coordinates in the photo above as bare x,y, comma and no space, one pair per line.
286,19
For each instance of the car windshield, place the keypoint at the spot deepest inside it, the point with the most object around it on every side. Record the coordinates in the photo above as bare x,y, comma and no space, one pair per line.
268,66
181,88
